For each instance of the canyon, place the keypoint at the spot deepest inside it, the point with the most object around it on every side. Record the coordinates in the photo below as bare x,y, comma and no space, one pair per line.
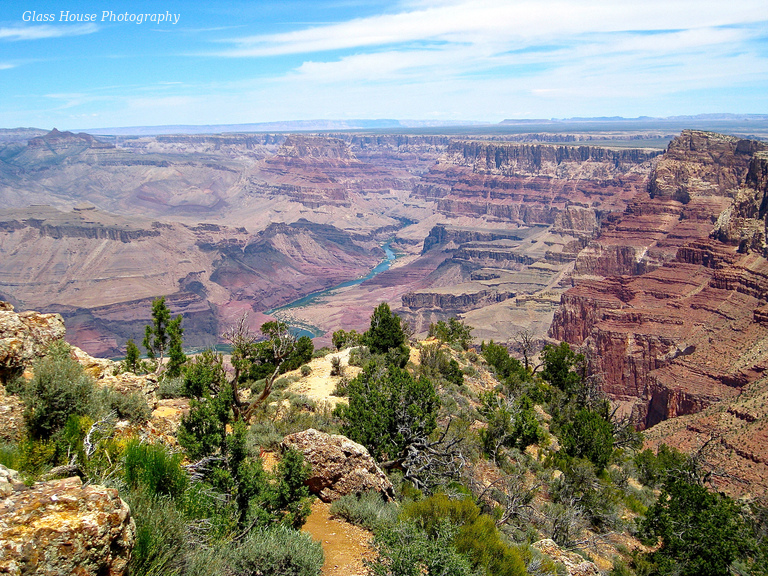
650,261
95,228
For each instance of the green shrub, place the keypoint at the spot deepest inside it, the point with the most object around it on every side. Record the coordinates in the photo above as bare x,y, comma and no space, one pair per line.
171,388
342,339
452,332
16,386
359,356
368,510
342,387
476,537
301,401
436,362
59,388
588,435
9,456
264,434
151,466
32,457
652,468
388,409
278,551
212,513
512,423
161,531
406,550
430,512
132,406
481,543
385,332
306,370
205,375
336,368
597,499
701,533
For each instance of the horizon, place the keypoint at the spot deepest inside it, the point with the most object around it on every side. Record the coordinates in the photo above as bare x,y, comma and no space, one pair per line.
74,65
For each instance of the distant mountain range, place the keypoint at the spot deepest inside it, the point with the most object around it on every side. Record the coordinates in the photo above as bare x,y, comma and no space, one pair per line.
283,126
756,124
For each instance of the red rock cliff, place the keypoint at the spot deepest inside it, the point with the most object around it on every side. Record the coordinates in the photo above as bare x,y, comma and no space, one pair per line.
683,325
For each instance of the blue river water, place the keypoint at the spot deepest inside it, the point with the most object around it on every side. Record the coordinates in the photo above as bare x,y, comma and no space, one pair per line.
389,257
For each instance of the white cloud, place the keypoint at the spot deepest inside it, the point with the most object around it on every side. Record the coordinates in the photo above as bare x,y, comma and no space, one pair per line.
6,66
499,22
46,31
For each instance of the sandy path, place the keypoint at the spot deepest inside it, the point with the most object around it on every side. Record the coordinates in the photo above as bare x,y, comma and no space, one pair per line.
319,385
345,545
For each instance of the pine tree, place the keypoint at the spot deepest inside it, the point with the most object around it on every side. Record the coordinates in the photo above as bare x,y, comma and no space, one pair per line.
385,332
176,356
131,362
160,333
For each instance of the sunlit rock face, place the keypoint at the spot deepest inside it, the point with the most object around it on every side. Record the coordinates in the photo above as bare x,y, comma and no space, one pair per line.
678,323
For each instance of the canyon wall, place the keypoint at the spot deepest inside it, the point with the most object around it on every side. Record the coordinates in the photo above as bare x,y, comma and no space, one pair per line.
668,299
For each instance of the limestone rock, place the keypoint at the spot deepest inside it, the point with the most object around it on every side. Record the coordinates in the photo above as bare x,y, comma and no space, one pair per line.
103,371
339,466
60,528
11,416
24,337
9,481
574,564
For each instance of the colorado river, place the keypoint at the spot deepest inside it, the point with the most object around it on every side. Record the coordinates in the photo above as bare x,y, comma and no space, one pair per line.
312,331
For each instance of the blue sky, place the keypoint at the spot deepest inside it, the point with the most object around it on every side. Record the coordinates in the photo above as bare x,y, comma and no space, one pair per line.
482,60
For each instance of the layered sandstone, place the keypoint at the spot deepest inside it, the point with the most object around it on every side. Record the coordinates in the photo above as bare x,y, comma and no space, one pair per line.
689,188
457,299
677,326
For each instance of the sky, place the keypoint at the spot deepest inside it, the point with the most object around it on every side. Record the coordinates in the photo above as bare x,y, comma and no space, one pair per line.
88,64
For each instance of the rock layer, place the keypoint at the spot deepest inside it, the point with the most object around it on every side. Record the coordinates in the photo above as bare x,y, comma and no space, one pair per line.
675,329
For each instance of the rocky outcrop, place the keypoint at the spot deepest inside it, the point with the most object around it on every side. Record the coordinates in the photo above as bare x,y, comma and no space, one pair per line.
533,184
545,159
700,164
10,482
58,142
690,187
574,564
11,416
441,235
339,466
61,527
77,230
736,434
24,337
744,223
459,302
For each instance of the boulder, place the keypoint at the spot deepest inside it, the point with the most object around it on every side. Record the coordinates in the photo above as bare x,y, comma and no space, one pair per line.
24,337
10,481
339,465
61,527
574,564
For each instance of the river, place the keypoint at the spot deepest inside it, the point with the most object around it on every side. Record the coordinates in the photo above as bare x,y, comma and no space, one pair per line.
313,331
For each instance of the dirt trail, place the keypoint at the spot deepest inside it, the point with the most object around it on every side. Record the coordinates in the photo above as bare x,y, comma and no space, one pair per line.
345,545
